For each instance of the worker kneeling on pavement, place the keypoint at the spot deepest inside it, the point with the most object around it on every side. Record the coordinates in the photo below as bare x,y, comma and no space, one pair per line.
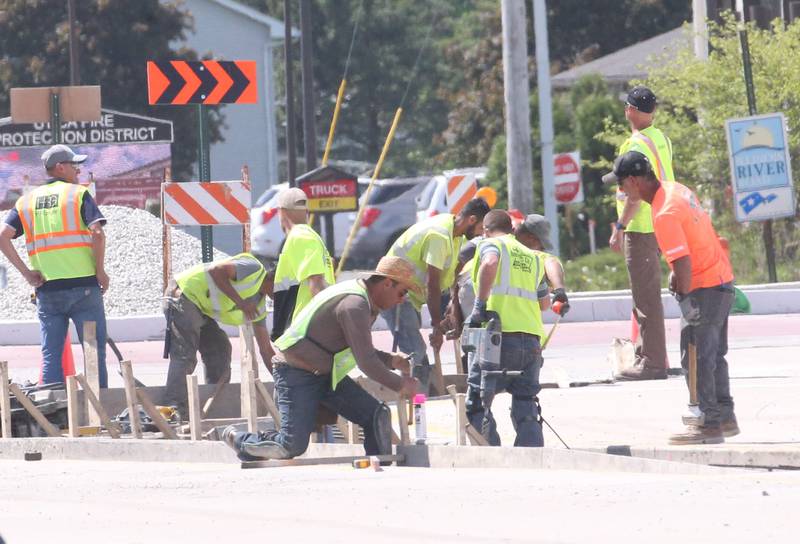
702,281
326,340
232,291
511,291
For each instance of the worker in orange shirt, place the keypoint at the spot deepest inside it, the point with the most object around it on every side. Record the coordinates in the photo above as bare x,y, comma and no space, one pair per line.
702,281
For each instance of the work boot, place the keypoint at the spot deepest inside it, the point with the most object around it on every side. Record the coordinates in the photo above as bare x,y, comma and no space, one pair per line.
695,434
639,371
730,427
252,451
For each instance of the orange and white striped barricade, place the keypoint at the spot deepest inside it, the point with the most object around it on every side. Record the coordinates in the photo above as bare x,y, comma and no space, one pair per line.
461,188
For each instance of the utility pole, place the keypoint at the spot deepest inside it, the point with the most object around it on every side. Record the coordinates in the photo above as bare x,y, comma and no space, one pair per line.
545,119
700,28
291,158
309,124
74,72
516,94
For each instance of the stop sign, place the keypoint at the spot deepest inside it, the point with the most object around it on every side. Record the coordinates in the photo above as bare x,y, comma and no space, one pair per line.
567,173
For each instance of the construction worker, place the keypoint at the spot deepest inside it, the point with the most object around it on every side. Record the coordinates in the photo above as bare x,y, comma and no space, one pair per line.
66,246
232,291
304,266
324,342
702,281
432,246
510,282
634,231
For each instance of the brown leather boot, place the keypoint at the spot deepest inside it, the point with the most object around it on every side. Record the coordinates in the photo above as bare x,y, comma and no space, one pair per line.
730,427
639,371
695,434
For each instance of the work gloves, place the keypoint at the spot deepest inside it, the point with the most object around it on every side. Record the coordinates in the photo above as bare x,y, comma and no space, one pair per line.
560,295
690,309
478,315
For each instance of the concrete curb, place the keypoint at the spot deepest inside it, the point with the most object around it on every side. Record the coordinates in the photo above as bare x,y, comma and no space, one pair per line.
183,451
777,298
726,456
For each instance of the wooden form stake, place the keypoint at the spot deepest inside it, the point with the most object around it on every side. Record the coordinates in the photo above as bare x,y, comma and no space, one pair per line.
402,419
5,400
475,437
130,396
90,367
110,426
74,408
246,224
249,409
461,364
461,419
48,427
269,403
166,240
195,416
156,416
352,431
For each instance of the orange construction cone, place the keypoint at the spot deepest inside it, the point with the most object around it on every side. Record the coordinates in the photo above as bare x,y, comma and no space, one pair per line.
67,362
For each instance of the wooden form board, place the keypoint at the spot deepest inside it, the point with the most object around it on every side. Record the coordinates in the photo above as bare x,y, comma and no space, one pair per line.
249,375
475,437
195,415
48,427
91,368
110,426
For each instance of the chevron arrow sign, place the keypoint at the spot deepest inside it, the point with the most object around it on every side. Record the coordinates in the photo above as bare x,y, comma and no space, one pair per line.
201,82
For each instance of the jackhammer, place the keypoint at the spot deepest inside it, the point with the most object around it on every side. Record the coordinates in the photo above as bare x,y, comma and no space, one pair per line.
484,343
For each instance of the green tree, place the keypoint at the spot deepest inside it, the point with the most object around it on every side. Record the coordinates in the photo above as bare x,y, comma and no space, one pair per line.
116,40
697,97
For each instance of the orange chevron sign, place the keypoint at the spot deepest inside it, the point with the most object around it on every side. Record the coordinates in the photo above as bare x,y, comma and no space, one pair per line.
201,82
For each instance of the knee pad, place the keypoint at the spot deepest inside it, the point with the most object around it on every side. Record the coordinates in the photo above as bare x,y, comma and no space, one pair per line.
382,426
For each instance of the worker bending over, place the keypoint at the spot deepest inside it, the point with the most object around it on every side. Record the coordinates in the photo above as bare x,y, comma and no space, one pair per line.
231,291
326,340
511,284
702,281
304,265
432,246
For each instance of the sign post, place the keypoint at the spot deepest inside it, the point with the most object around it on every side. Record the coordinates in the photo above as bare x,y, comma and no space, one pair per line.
205,82
769,242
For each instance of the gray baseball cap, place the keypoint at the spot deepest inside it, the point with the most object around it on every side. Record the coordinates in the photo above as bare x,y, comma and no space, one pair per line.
60,153
539,226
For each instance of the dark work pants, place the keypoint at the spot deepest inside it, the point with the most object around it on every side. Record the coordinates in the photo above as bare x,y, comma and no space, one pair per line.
711,339
644,272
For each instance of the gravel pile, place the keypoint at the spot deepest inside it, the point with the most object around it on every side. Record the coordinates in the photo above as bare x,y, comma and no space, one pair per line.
133,263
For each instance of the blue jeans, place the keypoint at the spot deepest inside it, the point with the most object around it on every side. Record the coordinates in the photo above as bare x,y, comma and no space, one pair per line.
299,393
55,309
711,339
517,352
409,338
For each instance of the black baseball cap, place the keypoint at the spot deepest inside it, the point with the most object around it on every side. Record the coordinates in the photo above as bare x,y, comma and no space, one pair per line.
642,99
631,163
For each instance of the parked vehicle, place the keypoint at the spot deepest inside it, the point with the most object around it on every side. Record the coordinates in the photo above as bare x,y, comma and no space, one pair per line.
390,211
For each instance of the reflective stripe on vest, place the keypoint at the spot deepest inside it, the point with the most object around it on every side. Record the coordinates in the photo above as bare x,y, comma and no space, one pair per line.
648,141
199,287
343,361
513,295
58,242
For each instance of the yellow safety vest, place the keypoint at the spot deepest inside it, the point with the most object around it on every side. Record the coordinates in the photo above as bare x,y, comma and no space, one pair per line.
513,295
58,241
199,287
294,252
412,242
343,361
658,150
